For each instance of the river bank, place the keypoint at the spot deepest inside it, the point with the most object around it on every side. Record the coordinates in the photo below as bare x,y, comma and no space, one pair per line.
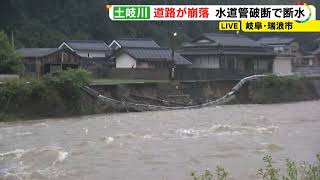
62,96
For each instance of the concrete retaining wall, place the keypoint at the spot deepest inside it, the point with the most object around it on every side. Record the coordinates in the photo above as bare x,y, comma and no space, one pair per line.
4,77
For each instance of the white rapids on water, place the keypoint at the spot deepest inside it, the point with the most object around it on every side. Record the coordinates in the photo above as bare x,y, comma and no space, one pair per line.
160,145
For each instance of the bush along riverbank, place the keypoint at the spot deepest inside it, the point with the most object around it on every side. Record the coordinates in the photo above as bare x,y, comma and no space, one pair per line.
281,89
55,95
293,171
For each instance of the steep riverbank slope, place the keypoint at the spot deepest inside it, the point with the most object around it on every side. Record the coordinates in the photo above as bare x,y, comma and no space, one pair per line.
59,100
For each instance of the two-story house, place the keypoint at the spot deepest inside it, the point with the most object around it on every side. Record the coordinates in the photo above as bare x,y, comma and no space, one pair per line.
227,51
292,57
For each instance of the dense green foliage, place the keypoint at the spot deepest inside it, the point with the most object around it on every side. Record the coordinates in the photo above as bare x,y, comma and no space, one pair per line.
276,89
55,94
10,62
46,23
68,83
306,171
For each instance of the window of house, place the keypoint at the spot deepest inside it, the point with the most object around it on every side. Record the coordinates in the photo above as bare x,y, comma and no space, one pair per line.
304,62
279,49
213,60
30,67
222,62
294,48
294,61
230,62
263,65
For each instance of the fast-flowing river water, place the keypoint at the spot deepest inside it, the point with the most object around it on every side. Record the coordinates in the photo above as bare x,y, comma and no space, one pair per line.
160,145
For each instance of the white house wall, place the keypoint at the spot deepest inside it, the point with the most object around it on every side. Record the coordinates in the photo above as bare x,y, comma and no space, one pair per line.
125,61
282,66
205,62
144,65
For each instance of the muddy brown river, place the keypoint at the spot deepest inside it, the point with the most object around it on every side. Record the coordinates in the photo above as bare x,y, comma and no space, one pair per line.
160,145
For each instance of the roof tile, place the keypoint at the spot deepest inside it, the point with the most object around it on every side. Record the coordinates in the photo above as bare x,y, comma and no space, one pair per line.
88,45
275,40
137,42
231,39
36,52
156,54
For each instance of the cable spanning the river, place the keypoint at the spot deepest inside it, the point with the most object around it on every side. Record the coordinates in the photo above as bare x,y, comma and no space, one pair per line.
226,98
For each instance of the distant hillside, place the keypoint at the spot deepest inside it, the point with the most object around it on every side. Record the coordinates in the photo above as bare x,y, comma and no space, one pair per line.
45,23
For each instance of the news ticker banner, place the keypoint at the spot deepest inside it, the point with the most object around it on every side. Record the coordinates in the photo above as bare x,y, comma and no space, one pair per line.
249,18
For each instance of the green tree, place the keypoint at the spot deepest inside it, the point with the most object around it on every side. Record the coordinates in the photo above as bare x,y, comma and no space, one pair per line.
10,61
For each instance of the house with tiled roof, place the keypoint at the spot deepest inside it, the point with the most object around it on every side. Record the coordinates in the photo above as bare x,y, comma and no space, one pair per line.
88,48
227,51
293,57
144,53
309,63
133,43
160,58
40,61
287,50
280,44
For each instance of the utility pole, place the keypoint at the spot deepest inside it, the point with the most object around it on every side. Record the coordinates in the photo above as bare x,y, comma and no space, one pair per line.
61,64
172,39
12,40
172,35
